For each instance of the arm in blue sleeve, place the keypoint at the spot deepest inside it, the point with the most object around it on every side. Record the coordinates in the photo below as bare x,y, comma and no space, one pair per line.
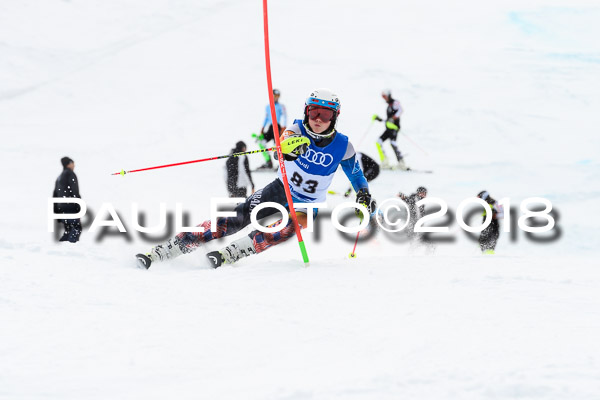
267,117
282,117
354,173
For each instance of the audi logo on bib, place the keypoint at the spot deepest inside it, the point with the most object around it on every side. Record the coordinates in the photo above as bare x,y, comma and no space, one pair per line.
318,158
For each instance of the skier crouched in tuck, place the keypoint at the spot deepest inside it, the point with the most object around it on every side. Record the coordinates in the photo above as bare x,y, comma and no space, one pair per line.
310,164
489,236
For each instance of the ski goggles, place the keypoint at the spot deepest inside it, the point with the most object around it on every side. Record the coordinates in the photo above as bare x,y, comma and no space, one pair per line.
325,114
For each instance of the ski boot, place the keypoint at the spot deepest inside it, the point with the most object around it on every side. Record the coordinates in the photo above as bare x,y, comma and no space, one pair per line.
402,165
161,252
236,250
143,260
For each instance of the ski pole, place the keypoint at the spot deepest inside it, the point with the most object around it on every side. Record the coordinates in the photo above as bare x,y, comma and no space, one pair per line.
413,142
353,254
345,194
364,136
260,139
405,135
123,172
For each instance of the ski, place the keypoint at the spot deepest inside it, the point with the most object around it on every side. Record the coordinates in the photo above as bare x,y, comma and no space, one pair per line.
215,258
143,261
264,170
420,171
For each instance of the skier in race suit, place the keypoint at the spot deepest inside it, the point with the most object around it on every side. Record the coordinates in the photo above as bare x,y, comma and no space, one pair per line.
392,127
313,151
266,132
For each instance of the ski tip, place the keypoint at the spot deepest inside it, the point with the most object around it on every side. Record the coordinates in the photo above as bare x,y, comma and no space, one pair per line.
215,259
143,261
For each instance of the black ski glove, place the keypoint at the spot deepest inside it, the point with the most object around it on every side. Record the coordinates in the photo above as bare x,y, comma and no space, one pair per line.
364,197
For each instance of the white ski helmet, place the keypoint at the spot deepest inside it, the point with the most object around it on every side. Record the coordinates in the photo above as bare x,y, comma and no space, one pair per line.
323,98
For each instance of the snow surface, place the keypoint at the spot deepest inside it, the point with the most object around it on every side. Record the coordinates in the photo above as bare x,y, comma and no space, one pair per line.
502,97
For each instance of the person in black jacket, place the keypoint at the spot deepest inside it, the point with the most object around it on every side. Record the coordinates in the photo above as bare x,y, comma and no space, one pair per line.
415,213
489,236
239,176
67,186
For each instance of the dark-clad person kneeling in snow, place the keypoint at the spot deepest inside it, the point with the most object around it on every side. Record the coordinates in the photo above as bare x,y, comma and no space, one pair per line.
489,236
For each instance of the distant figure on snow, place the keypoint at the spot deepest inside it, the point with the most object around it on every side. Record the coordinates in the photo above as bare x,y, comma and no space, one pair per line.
415,213
392,127
266,132
489,236
67,186
239,176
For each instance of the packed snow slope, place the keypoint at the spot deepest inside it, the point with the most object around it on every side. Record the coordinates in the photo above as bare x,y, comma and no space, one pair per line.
502,97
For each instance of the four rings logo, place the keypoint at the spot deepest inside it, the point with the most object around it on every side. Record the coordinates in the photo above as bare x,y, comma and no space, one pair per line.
318,158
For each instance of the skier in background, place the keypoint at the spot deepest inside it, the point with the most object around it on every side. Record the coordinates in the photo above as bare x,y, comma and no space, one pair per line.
66,185
313,151
266,132
489,236
239,176
415,213
392,127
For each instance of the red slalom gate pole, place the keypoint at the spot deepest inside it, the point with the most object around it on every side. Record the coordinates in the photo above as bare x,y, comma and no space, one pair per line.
288,195
123,172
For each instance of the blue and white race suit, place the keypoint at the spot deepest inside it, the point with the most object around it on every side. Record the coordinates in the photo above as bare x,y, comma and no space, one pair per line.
310,175
280,114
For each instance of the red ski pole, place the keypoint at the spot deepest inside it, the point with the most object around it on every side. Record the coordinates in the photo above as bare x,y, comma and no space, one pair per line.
353,254
123,172
415,143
